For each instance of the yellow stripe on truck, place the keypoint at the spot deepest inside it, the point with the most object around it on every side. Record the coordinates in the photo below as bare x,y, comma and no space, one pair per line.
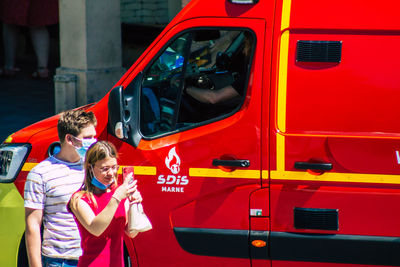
283,66
282,82
336,177
282,86
141,170
28,166
285,22
204,172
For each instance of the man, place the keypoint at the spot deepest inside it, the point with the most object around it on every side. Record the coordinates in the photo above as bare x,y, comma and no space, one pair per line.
48,189
239,64
211,103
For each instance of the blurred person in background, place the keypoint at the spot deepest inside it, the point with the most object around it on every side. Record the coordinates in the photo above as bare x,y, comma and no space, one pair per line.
35,15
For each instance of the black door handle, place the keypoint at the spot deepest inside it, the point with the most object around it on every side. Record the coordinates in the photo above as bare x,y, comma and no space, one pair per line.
231,163
312,166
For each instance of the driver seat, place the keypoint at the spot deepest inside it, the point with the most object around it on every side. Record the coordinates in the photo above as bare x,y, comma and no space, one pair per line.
152,118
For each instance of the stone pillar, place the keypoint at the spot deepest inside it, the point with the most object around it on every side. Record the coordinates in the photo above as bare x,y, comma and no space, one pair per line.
185,2
90,47
174,6
65,92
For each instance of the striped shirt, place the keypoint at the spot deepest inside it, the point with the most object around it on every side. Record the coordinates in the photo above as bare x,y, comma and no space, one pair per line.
49,187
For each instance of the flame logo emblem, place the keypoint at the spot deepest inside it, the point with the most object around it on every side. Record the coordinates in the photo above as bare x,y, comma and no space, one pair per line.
172,161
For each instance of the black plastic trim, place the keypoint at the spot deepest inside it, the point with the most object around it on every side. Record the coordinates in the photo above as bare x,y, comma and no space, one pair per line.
332,248
124,107
244,2
312,166
350,249
131,110
214,242
231,163
319,51
259,252
22,259
318,219
115,112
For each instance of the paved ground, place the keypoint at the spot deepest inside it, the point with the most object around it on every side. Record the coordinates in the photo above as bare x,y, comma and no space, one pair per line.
24,101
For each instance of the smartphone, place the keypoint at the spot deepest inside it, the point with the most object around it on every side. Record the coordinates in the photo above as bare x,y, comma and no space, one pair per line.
126,171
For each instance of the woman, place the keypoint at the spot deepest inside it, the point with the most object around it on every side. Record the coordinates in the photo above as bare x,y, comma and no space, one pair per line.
101,208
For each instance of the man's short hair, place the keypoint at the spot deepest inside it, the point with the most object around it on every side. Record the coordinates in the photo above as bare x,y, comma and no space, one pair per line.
73,121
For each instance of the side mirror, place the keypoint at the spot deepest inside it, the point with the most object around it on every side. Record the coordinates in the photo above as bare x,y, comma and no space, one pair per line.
115,115
124,112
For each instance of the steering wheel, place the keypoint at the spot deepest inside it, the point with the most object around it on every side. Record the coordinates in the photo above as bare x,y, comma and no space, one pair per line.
192,69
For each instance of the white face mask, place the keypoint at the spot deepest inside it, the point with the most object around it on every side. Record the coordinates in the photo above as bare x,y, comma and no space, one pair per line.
86,143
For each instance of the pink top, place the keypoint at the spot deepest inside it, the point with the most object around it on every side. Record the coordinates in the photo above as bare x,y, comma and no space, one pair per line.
107,249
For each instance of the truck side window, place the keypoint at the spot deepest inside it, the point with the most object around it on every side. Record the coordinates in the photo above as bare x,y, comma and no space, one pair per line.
200,77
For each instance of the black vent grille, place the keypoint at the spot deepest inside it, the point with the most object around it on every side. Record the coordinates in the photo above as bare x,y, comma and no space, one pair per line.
320,219
319,51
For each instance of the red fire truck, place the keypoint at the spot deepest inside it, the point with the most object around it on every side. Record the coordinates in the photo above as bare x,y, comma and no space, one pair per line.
300,168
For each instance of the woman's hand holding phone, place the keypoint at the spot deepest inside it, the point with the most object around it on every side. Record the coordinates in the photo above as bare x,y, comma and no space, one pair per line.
128,176
128,187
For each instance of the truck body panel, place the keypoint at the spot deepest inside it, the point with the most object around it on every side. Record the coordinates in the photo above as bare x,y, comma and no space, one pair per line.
302,171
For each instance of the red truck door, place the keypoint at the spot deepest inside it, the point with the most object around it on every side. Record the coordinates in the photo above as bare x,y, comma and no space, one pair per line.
198,164
335,147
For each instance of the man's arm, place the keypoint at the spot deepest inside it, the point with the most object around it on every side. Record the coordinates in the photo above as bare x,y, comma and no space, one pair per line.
212,96
33,222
